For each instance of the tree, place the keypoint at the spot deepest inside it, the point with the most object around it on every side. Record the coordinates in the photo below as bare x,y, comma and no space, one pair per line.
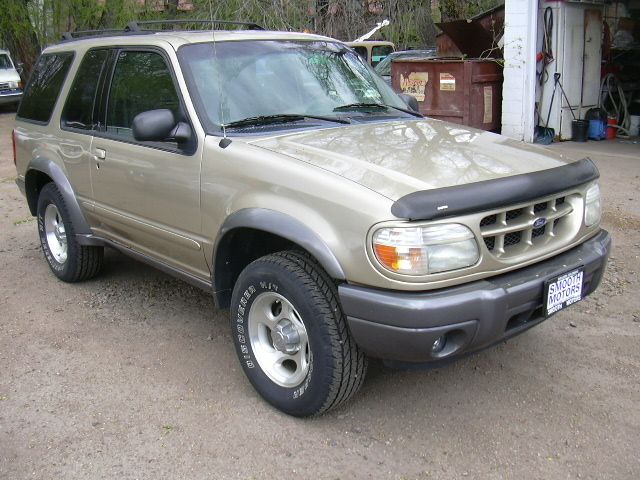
18,33
28,25
464,9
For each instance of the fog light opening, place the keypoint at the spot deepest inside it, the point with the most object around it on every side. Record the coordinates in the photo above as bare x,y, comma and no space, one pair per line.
439,344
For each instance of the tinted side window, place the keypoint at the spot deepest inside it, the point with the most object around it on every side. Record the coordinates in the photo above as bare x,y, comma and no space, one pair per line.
44,87
141,81
79,110
362,51
378,53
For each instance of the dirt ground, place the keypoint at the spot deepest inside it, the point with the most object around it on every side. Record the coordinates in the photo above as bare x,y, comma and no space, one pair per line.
133,375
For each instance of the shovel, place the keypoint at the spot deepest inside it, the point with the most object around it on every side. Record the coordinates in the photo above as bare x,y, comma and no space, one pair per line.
545,135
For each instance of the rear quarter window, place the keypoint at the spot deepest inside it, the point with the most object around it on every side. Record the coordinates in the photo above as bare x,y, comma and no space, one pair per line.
379,53
44,87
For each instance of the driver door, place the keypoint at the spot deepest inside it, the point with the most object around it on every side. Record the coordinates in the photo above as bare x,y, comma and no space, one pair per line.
147,194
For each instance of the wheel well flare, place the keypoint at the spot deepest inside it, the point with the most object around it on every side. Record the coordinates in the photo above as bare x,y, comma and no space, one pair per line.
34,181
237,249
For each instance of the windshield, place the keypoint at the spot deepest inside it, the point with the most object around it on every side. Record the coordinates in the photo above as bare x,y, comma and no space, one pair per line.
266,78
5,62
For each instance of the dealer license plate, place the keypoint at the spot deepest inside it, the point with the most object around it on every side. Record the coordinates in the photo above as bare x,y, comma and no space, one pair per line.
563,290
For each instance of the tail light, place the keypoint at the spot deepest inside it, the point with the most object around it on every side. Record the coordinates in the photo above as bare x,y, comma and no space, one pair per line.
13,141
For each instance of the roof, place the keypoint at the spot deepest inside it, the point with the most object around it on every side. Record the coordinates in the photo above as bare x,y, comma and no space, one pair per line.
177,38
369,42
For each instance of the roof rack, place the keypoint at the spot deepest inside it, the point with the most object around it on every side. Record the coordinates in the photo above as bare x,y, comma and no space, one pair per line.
95,33
137,27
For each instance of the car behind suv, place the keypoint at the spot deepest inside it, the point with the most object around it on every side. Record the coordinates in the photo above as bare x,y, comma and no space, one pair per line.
10,82
277,171
384,67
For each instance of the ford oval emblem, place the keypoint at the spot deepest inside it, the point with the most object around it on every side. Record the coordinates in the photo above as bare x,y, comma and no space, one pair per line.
539,222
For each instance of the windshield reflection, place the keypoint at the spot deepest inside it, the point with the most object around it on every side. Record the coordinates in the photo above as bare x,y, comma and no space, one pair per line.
233,81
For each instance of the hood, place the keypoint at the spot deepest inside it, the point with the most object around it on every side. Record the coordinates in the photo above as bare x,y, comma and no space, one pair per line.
9,75
398,158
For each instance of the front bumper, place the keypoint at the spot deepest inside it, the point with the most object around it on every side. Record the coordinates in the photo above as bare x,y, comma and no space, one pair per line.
10,96
403,326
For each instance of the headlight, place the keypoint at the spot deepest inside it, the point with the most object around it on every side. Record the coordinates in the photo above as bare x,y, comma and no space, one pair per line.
13,85
592,206
424,250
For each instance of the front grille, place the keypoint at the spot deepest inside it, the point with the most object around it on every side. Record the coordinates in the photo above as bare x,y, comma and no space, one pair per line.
514,231
490,220
512,238
4,86
537,232
539,207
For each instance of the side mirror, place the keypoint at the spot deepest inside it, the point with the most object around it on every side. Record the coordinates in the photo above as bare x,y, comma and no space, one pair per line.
158,126
182,133
411,101
153,125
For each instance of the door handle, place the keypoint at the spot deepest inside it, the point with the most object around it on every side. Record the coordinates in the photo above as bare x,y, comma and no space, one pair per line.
100,154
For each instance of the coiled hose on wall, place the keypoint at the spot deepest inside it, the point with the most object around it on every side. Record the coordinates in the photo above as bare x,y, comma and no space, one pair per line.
618,107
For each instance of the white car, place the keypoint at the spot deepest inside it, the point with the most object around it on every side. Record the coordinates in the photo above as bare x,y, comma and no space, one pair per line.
10,82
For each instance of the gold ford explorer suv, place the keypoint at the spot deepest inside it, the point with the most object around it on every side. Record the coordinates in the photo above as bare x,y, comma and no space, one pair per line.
279,172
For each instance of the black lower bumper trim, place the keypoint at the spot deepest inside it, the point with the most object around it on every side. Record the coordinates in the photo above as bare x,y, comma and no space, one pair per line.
403,326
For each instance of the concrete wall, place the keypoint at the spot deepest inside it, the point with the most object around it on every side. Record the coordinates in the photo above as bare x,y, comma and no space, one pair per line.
518,94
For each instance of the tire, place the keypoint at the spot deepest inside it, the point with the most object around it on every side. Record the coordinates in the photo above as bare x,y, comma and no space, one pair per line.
68,260
279,301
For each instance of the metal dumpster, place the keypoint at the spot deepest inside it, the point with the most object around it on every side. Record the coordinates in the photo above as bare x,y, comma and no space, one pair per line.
468,92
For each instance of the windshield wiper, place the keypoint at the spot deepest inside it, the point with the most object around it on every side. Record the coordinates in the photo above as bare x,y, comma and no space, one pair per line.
409,111
357,106
280,118
380,106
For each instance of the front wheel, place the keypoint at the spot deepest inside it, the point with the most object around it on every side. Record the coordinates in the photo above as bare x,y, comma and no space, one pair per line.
292,337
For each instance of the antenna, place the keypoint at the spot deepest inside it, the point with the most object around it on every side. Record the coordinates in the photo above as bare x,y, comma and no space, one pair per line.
225,142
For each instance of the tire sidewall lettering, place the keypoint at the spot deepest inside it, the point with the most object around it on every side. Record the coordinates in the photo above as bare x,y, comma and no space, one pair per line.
240,328
240,332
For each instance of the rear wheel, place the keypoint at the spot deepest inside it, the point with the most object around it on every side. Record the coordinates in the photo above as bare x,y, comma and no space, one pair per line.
291,335
69,261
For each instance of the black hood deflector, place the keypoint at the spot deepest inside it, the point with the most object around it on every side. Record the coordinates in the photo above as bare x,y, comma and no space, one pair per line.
489,194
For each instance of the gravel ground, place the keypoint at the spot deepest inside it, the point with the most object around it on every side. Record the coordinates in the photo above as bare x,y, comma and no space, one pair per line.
133,375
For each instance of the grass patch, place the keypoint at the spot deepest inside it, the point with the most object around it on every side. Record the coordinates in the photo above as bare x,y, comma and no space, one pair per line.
24,221
167,429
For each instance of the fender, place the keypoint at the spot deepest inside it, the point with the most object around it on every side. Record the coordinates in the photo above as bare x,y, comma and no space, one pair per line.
53,171
279,224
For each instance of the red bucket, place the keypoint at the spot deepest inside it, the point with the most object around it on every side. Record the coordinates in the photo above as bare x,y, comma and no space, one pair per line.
612,130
